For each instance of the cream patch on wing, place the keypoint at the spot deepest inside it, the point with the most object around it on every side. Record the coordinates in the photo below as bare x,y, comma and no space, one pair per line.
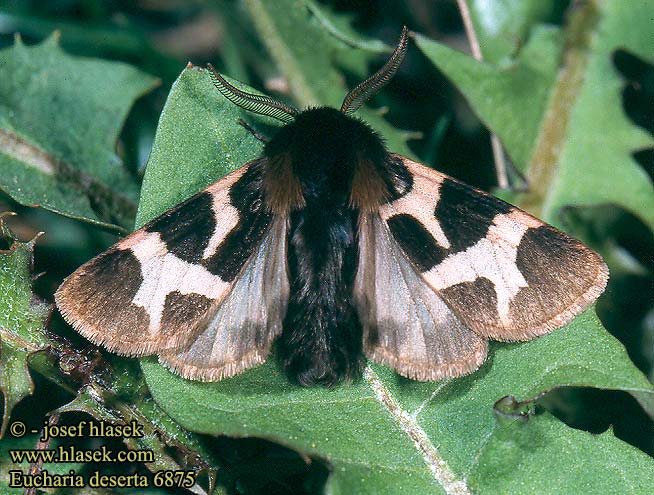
421,201
226,215
165,274
493,258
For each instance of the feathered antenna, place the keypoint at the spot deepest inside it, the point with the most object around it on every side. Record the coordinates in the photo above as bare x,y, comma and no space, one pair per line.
263,105
369,88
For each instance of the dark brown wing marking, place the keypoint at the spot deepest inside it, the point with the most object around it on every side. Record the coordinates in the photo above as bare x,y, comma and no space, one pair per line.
416,241
246,196
186,230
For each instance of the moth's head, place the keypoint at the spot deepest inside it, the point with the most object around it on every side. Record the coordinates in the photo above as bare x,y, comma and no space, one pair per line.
354,100
325,138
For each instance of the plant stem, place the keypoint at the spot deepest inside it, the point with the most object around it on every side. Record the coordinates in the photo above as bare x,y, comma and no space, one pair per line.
498,151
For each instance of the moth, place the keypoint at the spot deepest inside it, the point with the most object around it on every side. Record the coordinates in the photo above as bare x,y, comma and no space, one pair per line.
336,249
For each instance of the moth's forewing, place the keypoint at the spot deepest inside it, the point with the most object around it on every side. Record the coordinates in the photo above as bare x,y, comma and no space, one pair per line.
506,274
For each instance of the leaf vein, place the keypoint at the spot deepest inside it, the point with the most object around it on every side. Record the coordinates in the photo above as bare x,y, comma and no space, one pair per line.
434,460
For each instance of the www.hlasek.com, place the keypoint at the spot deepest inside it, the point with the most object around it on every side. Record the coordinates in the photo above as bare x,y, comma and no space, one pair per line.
42,478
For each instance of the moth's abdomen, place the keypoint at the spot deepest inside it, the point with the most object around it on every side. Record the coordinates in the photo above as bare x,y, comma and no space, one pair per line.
321,342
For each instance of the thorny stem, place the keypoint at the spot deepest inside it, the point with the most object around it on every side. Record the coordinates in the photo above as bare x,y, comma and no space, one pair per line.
36,467
46,364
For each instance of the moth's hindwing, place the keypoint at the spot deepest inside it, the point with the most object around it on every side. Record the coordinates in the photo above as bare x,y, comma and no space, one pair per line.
239,335
406,325
159,289
505,274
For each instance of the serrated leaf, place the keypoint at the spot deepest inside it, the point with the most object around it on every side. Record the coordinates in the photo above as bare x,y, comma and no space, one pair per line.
22,320
595,164
510,100
382,434
59,121
542,455
576,138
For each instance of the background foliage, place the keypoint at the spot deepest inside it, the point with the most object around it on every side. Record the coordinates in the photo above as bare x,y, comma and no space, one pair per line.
567,88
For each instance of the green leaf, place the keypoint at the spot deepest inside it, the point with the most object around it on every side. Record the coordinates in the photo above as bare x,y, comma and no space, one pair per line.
542,455
22,320
502,26
60,117
297,33
214,143
339,26
511,100
575,138
382,433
